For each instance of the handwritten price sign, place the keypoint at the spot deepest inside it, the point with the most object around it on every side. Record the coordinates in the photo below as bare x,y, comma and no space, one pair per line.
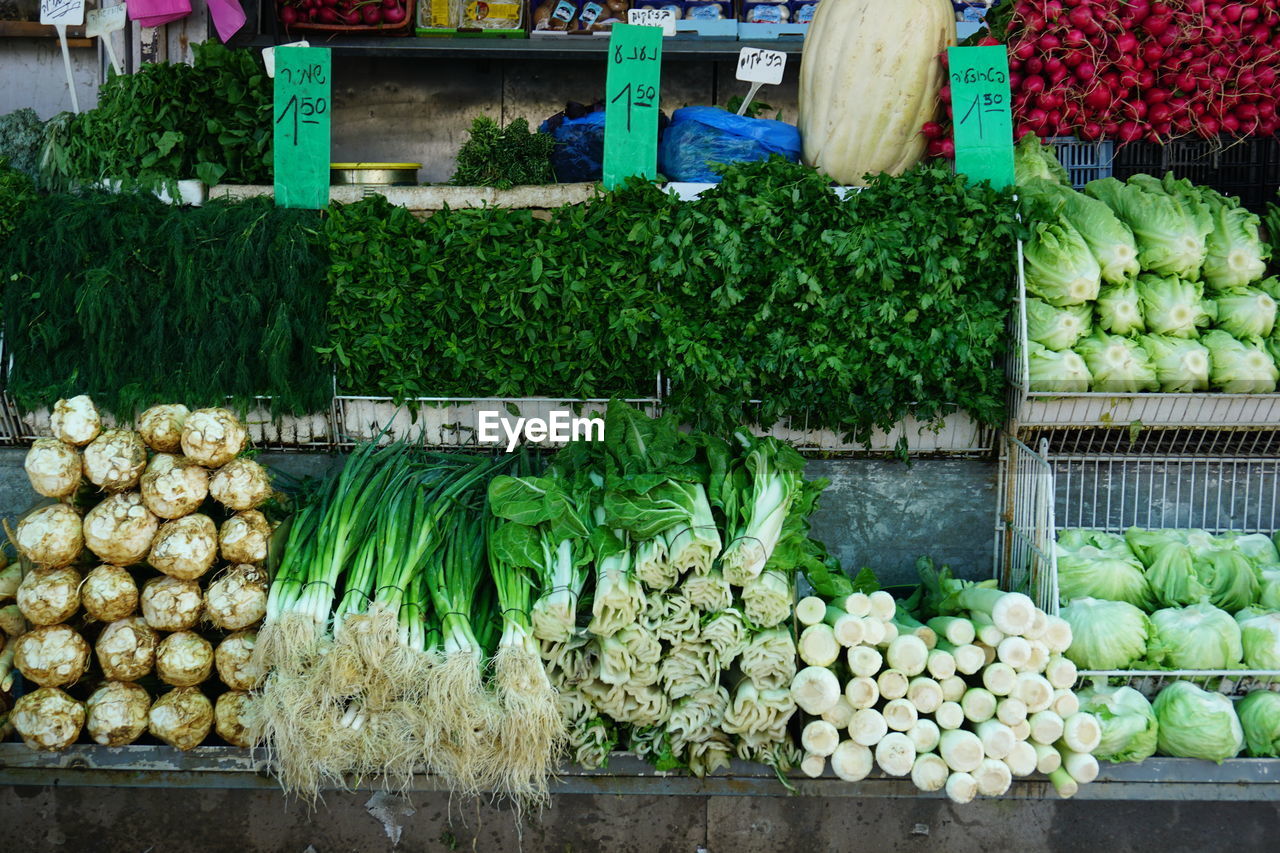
757,65
664,18
632,85
68,13
983,125
302,118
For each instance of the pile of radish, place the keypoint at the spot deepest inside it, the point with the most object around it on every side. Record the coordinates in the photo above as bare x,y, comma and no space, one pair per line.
962,703
344,13
1132,70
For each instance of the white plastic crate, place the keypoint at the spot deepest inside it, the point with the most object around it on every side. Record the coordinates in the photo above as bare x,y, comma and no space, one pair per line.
1031,410
1084,161
1077,482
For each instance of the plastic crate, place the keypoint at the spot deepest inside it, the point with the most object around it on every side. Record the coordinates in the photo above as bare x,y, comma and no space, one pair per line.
1248,168
1084,161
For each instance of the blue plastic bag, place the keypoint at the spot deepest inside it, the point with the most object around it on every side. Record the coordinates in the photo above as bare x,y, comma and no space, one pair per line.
700,136
579,152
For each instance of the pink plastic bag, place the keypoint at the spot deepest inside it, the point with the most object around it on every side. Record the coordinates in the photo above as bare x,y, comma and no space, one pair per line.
154,13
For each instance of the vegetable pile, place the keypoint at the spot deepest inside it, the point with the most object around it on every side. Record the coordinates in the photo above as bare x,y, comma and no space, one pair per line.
335,14
965,701
1137,69
130,630
1144,285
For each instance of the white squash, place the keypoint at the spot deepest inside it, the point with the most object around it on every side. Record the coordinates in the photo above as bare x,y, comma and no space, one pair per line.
869,79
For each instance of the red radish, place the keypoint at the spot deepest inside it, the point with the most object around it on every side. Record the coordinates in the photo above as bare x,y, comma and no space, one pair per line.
288,16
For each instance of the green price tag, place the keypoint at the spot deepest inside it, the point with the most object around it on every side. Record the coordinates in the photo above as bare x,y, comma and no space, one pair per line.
302,108
631,103
982,124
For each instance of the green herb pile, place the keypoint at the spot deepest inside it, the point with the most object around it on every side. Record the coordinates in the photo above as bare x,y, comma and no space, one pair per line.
494,156
21,135
853,314
136,302
210,120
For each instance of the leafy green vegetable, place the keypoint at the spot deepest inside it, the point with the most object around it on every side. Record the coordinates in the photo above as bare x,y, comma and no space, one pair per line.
1269,587
1060,268
1120,309
171,121
1181,365
1170,230
1257,548
1171,306
1197,637
1235,254
1260,637
1109,239
1092,564
222,300
1057,328
1129,729
1259,714
1106,634
1064,372
1195,723
1032,160
1117,364
504,157
21,136
1239,367
1245,312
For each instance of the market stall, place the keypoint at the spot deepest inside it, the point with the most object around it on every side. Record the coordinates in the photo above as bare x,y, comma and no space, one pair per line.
566,540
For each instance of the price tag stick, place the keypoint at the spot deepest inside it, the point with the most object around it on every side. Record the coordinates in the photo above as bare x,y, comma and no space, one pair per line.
111,53
751,94
66,64
58,14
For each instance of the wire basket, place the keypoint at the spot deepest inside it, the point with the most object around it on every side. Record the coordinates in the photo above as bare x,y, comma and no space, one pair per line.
1232,682
1091,482
1035,410
956,434
1084,161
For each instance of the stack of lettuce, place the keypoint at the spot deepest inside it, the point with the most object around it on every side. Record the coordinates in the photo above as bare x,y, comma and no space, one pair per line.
1175,599
1144,285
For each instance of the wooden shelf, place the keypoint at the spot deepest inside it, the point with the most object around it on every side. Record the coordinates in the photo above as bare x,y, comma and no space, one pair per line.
36,30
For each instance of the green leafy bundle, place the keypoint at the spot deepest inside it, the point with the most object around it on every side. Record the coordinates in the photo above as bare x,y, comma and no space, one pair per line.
494,156
170,121
136,302
494,302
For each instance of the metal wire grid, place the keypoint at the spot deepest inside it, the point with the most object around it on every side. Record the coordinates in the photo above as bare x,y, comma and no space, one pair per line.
1232,682
1029,410
1157,442
958,434
1024,555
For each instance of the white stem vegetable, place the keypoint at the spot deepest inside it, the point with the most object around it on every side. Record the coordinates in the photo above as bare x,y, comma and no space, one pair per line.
1046,727
813,766
841,714
994,777
1082,766
864,661
861,693
1040,656
892,683
925,694
895,754
907,653
847,629
1022,759
1039,622
925,735
890,634
1061,672
1011,710
820,738
941,664
1021,730
1082,732
961,788
810,610
1048,759
999,678
957,630
929,773
867,728
882,605
1065,702
949,715
855,604
952,688
851,761
872,631
979,704
988,653
1063,783
900,715
818,646
1057,634
1014,651
1035,690
815,689
962,750
985,630
1011,612
997,738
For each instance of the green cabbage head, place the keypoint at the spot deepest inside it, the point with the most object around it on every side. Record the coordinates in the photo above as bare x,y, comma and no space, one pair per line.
1062,372
1060,269
1181,365
1117,364
1093,564
1120,309
1259,714
1195,723
1129,730
1260,638
1245,312
1106,634
1197,637
1239,367
1057,328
